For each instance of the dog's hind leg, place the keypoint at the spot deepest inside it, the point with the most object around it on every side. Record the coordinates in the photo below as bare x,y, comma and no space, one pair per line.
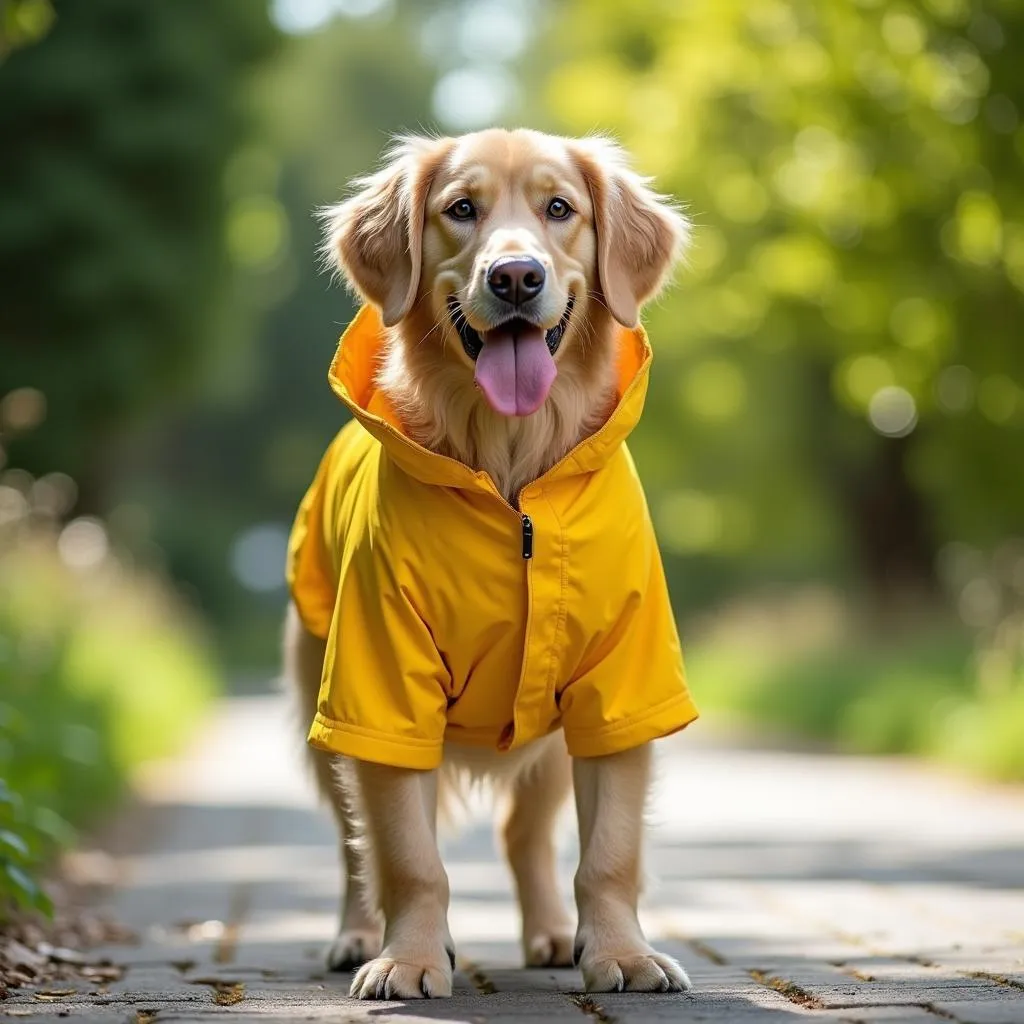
536,795
361,930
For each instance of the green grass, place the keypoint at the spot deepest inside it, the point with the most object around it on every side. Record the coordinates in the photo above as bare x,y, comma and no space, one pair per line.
919,692
99,671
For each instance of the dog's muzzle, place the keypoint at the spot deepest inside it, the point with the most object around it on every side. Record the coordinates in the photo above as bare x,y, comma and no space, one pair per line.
473,343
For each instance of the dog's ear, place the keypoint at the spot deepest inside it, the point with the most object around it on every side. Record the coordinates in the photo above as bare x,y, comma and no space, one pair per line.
375,238
640,234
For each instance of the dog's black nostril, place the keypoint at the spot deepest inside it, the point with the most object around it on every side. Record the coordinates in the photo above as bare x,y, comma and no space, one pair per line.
516,279
501,284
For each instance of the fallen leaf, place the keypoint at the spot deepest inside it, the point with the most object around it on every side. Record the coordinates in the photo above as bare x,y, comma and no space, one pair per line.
102,972
61,954
49,995
22,956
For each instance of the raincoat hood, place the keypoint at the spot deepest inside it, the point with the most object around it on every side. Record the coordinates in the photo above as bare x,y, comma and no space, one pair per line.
353,374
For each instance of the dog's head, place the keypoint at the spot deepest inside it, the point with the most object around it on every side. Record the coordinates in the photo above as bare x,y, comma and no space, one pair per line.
507,251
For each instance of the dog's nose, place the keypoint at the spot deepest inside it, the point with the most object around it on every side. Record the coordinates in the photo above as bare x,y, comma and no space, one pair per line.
516,278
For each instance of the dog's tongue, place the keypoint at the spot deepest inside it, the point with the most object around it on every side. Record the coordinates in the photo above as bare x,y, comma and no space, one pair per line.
515,369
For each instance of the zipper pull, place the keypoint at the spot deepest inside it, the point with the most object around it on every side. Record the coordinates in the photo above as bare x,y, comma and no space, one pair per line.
527,537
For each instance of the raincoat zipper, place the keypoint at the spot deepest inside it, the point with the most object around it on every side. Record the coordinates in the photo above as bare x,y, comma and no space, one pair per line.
527,521
527,537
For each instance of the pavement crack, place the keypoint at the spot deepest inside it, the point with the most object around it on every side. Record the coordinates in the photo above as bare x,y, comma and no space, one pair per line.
226,991
944,1014
853,972
792,991
876,950
229,995
704,950
480,981
586,1005
927,1007
999,979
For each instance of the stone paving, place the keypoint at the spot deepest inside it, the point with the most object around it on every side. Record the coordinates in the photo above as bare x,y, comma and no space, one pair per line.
793,886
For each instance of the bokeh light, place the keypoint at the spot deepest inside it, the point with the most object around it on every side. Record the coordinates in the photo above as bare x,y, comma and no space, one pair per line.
83,543
473,97
258,555
892,411
22,409
304,16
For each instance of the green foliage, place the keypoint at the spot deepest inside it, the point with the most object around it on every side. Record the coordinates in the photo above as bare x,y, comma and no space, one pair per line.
117,128
805,667
98,672
23,845
118,124
843,357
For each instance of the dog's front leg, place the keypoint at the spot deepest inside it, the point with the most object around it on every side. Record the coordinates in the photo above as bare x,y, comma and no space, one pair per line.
610,946
399,807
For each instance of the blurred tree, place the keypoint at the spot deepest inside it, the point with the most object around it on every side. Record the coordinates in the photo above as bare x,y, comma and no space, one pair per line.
117,128
845,357
241,455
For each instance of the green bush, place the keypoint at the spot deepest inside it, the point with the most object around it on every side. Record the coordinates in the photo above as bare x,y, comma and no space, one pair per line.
23,845
99,670
935,690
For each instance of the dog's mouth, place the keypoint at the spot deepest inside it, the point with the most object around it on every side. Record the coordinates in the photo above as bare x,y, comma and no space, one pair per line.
517,325
515,365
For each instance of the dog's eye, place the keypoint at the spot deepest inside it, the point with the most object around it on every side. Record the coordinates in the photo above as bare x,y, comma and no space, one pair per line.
461,209
559,209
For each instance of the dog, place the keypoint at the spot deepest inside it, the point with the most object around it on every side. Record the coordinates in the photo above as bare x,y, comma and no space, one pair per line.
476,589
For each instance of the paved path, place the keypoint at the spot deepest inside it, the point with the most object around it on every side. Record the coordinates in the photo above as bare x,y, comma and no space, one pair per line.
795,887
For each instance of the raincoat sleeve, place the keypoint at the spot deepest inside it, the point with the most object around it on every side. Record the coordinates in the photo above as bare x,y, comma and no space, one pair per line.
631,687
383,696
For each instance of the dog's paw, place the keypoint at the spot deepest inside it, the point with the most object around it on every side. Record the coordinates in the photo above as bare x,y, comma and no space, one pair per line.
549,947
352,948
390,978
644,971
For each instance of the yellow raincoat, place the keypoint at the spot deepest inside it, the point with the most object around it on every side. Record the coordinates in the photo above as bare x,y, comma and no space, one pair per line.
450,615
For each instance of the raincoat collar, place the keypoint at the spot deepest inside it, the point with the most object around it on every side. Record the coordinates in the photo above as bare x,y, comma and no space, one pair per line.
353,378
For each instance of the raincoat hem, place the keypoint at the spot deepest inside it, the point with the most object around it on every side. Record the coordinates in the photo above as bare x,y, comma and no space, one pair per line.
473,737
353,741
666,718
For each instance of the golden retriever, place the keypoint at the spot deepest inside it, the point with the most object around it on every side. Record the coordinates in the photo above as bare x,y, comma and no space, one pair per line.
448,239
